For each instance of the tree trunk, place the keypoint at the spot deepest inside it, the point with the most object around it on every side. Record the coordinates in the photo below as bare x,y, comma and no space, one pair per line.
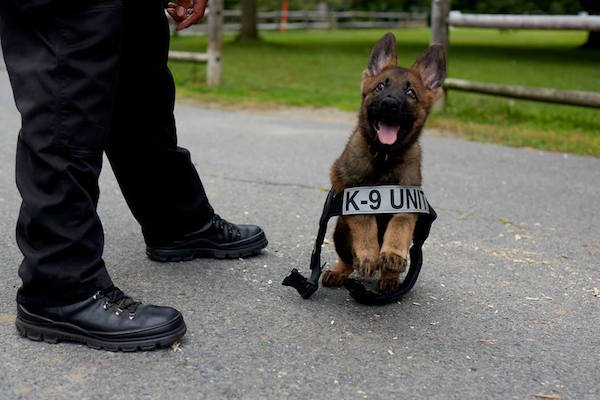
248,28
593,41
592,7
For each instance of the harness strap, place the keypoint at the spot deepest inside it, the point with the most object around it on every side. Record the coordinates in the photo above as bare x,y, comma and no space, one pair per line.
333,207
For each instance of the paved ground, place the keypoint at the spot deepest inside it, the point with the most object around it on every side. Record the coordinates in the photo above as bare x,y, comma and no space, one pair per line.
504,308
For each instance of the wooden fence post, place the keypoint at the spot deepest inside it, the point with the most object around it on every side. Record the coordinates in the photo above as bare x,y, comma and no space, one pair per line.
439,34
214,68
439,22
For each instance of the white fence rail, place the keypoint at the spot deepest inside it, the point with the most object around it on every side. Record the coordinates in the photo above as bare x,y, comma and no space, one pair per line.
295,20
548,95
583,22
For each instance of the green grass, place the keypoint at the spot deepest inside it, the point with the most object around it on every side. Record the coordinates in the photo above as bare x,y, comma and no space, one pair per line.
323,69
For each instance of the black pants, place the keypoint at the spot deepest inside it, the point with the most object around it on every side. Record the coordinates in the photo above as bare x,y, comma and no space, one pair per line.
91,77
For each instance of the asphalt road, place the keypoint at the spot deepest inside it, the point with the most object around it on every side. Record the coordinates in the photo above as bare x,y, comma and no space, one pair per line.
504,308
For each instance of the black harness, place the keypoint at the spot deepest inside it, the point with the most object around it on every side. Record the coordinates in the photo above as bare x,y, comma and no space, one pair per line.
333,207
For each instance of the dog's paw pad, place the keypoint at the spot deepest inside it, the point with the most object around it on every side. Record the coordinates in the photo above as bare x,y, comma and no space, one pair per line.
392,262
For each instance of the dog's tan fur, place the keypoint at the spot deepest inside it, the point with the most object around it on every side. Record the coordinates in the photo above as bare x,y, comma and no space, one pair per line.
356,237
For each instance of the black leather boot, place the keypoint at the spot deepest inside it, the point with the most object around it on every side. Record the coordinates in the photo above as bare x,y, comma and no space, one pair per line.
108,320
218,239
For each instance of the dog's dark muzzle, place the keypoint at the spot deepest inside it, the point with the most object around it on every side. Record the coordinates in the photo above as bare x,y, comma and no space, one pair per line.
392,110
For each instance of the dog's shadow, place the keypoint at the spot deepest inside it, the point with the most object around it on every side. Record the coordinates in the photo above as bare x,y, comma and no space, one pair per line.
419,307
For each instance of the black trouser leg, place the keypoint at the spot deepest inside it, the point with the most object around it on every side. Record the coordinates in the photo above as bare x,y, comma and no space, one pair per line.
63,73
157,177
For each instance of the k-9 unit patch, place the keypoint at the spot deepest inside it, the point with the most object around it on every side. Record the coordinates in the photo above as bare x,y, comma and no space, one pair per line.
390,199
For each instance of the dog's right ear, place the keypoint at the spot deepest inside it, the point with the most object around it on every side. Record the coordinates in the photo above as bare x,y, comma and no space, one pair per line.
431,66
383,55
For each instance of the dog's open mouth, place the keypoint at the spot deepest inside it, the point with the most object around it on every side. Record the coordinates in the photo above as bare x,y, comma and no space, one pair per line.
386,133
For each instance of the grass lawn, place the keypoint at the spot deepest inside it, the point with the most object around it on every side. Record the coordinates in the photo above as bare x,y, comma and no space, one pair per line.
323,69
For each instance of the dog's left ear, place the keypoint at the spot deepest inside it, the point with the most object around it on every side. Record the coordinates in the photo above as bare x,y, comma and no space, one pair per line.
383,55
431,66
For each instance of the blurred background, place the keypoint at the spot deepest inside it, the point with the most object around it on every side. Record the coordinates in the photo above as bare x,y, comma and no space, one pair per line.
311,54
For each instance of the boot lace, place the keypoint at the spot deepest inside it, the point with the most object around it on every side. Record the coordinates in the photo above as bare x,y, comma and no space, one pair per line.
116,299
231,230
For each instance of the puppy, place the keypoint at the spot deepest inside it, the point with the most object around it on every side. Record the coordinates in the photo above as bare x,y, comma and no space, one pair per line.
384,149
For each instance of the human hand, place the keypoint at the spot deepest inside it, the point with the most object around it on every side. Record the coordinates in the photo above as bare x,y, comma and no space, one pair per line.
186,12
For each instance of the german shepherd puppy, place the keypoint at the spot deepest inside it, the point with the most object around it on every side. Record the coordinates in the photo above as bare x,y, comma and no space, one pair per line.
384,149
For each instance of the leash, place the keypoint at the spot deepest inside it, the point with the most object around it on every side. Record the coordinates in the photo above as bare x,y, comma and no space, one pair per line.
369,200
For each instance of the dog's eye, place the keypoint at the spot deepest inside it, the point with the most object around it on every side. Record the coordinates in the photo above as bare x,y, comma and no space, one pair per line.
380,86
410,92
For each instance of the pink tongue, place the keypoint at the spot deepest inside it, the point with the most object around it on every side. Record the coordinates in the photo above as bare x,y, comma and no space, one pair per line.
387,134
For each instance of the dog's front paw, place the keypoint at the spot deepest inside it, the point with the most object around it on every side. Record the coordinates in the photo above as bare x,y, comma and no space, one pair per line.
388,284
365,266
391,262
333,279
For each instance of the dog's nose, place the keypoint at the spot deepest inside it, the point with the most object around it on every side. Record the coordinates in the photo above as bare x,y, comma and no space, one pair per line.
390,103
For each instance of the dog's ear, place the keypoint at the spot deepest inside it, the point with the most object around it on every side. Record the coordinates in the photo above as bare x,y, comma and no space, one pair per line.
383,55
431,66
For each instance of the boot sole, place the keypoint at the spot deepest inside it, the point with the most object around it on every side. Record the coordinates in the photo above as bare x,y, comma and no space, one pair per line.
56,332
252,247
